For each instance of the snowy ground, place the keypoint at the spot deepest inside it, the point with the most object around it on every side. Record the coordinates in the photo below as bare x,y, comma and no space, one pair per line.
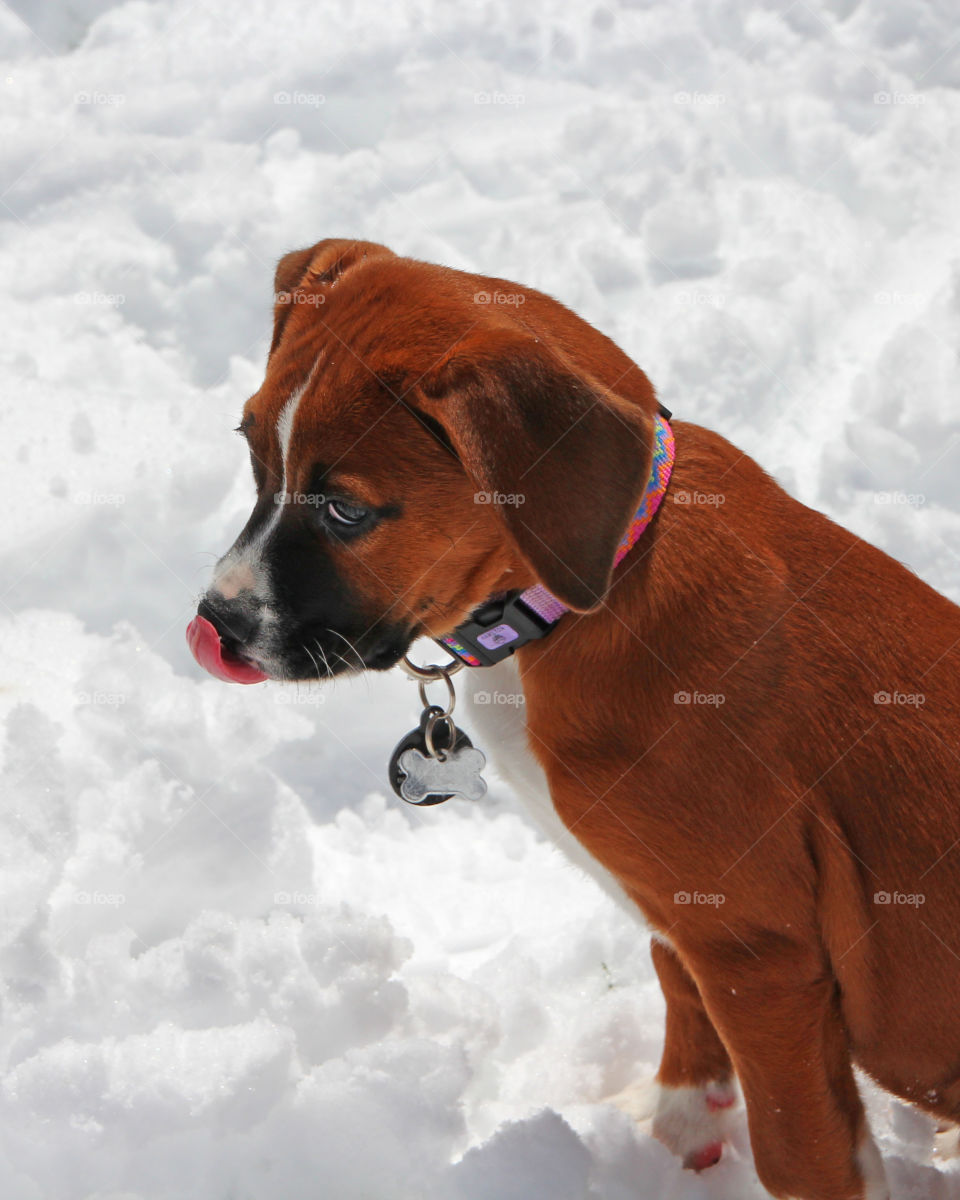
231,967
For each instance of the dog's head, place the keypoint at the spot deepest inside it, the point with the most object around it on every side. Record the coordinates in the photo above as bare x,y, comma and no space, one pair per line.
423,438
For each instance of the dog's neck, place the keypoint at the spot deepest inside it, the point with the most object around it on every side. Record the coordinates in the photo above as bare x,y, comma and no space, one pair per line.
509,621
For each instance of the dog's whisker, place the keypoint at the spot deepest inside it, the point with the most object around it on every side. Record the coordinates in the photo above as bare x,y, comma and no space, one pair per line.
326,662
350,646
316,665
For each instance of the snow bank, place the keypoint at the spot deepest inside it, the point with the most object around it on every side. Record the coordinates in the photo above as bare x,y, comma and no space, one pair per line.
230,966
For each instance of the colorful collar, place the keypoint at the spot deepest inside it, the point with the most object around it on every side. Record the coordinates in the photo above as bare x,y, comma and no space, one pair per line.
504,623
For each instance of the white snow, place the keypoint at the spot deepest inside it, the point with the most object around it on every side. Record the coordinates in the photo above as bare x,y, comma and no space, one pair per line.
231,965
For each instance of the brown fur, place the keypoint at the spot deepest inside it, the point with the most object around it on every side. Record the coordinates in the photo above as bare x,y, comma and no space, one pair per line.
797,798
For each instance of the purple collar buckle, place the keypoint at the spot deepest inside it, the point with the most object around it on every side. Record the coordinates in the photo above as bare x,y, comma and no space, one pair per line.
494,630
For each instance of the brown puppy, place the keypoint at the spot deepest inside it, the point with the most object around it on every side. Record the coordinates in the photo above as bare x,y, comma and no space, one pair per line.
710,720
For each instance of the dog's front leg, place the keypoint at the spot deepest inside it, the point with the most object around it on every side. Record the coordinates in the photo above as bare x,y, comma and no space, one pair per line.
695,1080
694,1092
779,1017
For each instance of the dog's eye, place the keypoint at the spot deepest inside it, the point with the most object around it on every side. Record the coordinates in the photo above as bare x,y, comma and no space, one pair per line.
346,514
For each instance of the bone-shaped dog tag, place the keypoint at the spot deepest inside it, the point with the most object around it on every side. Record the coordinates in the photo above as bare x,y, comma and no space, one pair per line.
429,780
421,778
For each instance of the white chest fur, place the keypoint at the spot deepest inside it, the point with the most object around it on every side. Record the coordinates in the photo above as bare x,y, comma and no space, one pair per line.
495,718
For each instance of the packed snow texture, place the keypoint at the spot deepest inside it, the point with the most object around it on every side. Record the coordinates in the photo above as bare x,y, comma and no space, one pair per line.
232,965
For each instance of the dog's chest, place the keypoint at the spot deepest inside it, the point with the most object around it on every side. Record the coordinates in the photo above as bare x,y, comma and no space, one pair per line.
495,718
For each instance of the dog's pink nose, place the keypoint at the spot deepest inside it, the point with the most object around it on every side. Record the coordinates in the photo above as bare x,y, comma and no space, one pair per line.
207,649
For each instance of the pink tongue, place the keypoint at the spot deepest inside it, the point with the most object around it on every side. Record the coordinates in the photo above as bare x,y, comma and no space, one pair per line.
204,643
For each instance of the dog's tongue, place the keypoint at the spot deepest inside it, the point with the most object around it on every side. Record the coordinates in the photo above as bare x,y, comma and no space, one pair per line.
207,649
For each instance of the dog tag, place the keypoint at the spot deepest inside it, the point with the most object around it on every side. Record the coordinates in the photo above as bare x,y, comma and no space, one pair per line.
422,778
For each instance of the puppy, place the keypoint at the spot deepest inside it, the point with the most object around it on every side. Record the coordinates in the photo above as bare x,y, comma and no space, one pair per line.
749,725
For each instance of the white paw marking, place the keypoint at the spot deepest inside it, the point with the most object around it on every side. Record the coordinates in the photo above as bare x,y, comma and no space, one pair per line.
690,1121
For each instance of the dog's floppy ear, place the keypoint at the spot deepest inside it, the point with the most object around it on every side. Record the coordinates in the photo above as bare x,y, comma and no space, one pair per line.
569,458
308,271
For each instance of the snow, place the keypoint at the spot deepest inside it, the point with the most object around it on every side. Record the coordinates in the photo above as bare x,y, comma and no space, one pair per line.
231,965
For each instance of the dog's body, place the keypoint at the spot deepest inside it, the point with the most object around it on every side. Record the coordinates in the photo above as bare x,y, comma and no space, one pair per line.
709,723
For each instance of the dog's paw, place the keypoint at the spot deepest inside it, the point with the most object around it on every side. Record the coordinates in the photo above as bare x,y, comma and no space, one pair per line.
692,1122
